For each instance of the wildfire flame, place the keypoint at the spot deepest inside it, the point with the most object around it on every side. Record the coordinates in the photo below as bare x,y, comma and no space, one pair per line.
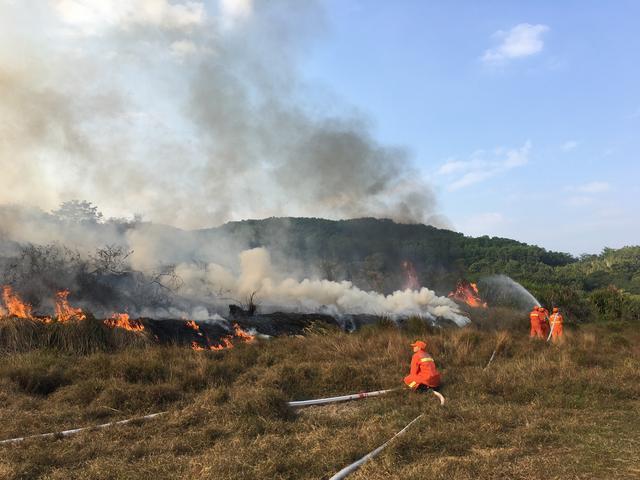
14,306
468,293
122,320
64,311
411,275
227,341
241,334
194,326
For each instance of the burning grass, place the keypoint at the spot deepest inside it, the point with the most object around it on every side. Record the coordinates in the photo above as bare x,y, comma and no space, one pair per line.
77,338
539,410
75,331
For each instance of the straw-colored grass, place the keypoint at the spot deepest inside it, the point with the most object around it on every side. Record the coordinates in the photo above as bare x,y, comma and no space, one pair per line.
74,337
539,410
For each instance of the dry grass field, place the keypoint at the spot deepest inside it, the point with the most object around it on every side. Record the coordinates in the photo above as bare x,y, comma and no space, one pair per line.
539,411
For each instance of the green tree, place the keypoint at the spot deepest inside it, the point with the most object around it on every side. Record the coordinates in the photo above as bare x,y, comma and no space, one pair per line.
78,211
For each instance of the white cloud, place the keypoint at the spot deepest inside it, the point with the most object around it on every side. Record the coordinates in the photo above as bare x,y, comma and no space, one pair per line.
521,41
234,11
585,194
592,187
569,145
483,165
91,17
579,200
236,8
487,223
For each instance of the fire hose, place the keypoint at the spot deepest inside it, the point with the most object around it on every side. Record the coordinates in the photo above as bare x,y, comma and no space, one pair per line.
553,324
343,398
66,433
491,359
299,403
358,463
355,396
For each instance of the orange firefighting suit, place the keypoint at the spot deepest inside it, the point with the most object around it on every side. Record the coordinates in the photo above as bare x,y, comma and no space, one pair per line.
423,371
556,324
536,329
543,315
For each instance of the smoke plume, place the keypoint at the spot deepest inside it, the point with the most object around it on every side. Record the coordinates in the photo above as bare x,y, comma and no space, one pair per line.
190,114
258,276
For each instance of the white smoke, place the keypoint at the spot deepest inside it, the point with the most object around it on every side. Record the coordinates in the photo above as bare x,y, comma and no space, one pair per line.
258,275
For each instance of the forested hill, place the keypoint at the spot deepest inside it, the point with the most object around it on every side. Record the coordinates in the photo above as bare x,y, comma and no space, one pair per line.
371,253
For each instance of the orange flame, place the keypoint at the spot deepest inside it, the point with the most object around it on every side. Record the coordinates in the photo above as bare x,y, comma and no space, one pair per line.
194,326
468,293
122,320
64,311
227,341
241,334
411,275
14,306
226,344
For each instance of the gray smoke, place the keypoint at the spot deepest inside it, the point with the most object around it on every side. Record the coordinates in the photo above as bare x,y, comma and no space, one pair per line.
189,115
162,272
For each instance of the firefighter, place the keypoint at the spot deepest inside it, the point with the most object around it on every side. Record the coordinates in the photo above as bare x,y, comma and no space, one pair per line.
556,320
534,317
543,316
423,374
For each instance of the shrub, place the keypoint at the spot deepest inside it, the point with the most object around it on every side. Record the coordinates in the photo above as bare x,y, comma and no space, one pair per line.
612,304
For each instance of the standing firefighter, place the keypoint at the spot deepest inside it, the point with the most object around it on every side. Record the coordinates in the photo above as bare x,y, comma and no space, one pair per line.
556,320
536,328
423,374
543,317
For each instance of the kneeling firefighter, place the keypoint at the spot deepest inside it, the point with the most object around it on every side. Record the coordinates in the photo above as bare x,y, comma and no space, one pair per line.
423,374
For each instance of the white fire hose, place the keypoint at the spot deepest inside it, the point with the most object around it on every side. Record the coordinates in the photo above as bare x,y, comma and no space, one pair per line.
343,398
491,359
358,463
299,403
66,433
553,324
355,396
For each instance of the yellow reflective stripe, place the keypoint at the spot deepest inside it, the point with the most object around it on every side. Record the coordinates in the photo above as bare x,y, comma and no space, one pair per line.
412,384
426,359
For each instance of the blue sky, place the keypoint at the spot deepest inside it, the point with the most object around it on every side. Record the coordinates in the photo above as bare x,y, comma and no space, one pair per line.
462,86
522,117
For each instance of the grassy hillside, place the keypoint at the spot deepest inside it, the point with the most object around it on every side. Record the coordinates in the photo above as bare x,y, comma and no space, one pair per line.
539,411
